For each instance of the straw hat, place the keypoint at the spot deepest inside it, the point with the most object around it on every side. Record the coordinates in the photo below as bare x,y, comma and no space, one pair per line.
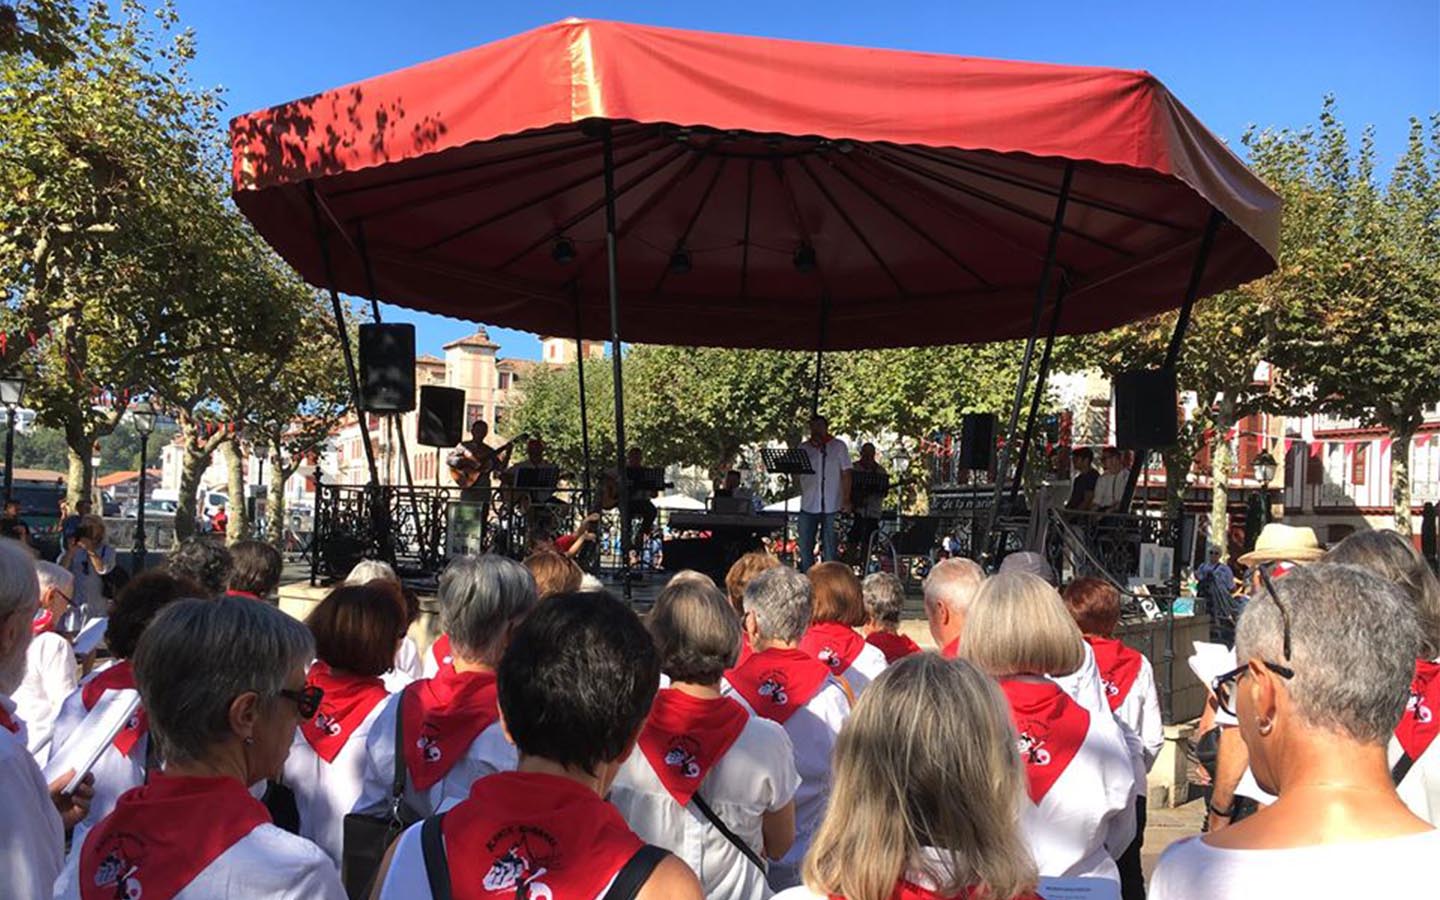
1287,543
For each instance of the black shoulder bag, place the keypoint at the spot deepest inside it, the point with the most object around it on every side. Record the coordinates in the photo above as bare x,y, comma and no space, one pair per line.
367,836
726,833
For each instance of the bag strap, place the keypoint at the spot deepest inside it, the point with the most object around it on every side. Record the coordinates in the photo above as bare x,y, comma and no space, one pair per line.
397,781
726,833
1401,768
437,867
636,871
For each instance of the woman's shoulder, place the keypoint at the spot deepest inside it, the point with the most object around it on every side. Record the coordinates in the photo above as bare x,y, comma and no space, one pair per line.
871,660
272,849
799,893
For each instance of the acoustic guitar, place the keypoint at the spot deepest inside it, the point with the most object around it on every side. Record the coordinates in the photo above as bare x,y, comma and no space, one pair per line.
467,471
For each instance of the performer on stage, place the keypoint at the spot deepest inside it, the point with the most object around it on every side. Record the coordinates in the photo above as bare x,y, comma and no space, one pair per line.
534,459
867,503
478,461
731,487
641,504
823,493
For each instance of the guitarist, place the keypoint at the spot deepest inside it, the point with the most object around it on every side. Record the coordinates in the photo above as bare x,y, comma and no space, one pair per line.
474,461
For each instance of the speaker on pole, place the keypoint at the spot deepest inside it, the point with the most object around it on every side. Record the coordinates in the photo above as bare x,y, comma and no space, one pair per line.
1147,415
442,416
387,367
977,441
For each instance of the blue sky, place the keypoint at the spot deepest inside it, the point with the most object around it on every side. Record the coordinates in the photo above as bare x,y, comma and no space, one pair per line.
1263,62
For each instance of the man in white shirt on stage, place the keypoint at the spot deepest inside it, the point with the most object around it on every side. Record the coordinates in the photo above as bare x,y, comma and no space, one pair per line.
823,493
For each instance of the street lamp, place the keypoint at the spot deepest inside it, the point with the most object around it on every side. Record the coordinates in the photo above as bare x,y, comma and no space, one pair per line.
12,391
1264,467
142,416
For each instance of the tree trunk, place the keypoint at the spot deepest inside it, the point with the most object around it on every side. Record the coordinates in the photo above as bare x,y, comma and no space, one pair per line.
237,513
1177,467
275,500
197,459
1400,479
78,478
1222,464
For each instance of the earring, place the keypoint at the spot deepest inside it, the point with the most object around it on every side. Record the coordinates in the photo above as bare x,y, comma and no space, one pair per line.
249,741
1265,726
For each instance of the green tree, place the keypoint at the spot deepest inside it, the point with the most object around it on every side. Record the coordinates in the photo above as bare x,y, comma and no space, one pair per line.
550,410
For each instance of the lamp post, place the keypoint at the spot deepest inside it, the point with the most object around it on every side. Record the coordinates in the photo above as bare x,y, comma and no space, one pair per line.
142,416
12,391
1264,468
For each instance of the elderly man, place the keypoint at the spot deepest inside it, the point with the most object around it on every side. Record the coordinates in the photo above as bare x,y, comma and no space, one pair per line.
949,589
32,833
49,663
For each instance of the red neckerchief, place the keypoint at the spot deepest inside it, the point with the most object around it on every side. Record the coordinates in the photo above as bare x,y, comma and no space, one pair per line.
444,659
7,722
746,651
348,700
44,618
1119,667
443,716
244,595
833,644
907,891
525,830
162,834
119,677
1051,728
686,736
951,650
777,682
1420,724
894,646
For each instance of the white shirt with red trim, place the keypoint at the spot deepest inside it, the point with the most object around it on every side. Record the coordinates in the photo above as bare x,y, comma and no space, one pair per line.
115,772
1087,688
1420,788
757,775
49,679
812,731
865,668
325,792
32,839
490,752
1140,712
1391,867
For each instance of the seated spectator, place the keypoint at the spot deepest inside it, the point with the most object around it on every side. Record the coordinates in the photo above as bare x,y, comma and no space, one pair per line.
1076,815
949,589
49,663
884,597
741,571
698,747
784,684
451,724
554,573
575,686
942,829
408,665
128,760
223,685
254,570
831,637
1129,683
1328,654
1414,753
203,561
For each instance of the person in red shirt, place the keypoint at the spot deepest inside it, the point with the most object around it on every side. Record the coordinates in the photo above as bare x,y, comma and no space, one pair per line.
884,597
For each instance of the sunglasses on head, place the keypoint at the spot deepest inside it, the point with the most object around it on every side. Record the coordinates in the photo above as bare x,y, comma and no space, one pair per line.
307,699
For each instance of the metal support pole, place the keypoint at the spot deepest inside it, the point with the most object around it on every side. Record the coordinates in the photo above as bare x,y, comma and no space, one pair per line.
1041,380
820,352
137,562
612,270
10,458
580,376
1023,378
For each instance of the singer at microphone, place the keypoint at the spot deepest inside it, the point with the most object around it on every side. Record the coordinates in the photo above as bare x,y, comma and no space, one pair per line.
823,493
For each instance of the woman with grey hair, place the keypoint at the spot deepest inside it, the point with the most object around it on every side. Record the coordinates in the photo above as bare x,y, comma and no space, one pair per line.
785,684
223,685
450,727
1328,655
884,597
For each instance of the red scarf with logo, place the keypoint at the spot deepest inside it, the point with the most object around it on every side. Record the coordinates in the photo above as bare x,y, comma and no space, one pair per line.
520,830
833,644
162,834
951,650
44,618
777,683
444,659
348,700
1420,724
686,736
7,722
443,716
894,646
1051,727
243,595
907,891
119,677
1119,667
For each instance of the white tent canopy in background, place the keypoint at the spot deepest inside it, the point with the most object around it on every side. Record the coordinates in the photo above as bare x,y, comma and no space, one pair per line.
678,501
791,504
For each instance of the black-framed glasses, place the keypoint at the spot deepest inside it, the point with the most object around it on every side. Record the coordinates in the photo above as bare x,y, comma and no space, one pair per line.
307,699
1224,686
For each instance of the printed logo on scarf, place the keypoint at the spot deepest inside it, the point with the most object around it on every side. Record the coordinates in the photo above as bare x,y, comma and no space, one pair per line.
328,724
772,685
529,853
831,657
429,744
1417,707
1031,745
682,755
120,867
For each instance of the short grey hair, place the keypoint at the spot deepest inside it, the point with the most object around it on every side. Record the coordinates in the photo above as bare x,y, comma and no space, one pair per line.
884,596
1354,638
479,597
53,577
368,570
954,582
197,656
782,600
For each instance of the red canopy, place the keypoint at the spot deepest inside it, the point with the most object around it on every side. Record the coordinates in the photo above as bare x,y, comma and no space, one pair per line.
925,185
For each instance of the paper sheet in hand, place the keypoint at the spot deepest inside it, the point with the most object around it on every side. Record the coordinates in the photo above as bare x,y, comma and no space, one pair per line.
92,736
1211,661
1079,889
90,636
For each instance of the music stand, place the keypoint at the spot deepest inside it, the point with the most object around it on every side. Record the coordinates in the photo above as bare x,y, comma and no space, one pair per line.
645,478
531,478
789,462
863,482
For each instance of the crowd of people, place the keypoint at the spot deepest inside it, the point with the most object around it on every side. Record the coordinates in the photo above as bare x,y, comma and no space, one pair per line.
777,735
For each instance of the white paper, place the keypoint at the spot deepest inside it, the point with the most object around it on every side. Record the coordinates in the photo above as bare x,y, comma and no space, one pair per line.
91,635
92,736
1210,661
1079,889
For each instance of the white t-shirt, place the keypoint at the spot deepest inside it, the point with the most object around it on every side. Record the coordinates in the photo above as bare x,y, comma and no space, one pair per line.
325,792
49,679
1109,489
115,772
1140,712
828,462
89,587
756,776
864,668
490,752
407,668
267,862
1401,867
32,839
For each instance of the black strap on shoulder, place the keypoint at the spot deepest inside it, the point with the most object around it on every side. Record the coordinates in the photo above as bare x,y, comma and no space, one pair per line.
1401,769
397,781
726,833
437,867
636,871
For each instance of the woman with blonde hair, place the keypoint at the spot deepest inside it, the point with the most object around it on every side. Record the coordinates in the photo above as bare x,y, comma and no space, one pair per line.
1077,815
831,637
925,794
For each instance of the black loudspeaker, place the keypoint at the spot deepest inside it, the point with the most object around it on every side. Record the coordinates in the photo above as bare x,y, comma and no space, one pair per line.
1147,415
387,367
977,441
442,416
